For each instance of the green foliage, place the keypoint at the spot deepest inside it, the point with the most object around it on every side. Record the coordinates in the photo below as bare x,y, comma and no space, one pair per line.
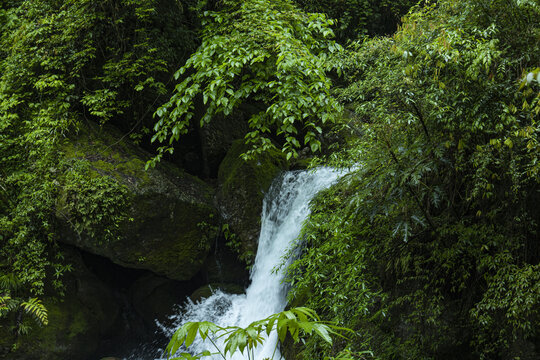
356,18
268,53
10,302
235,244
509,306
438,225
335,280
61,63
35,308
334,273
296,323
95,206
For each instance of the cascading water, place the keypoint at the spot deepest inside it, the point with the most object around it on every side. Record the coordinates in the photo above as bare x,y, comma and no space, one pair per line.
285,208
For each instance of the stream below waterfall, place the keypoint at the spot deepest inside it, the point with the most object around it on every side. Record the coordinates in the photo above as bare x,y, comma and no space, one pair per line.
285,208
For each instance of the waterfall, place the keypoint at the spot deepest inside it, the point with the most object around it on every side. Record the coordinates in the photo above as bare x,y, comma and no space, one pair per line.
285,208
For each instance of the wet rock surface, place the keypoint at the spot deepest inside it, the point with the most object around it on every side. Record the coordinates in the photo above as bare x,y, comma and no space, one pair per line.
171,220
242,186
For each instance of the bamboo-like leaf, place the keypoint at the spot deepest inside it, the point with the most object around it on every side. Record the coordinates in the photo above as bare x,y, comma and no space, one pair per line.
310,313
297,322
242,340
322,331
270,324
177,340
289,315
282,329
306,326
294,330
192,333
205,327
252,332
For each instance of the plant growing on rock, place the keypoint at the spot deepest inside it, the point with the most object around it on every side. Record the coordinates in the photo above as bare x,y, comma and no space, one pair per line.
12,303
62,63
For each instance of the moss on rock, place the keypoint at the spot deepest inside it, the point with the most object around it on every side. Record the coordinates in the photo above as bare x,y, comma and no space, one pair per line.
170,219
218,136
242,186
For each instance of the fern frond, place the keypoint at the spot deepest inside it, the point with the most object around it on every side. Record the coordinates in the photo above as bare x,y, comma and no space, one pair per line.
23,329
9,282
35,308
4,304
8,304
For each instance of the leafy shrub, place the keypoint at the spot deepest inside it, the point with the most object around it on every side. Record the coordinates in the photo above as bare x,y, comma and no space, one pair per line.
61,63
441,212
268,53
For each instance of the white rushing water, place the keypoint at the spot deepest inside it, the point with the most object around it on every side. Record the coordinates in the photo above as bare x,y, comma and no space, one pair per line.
285,208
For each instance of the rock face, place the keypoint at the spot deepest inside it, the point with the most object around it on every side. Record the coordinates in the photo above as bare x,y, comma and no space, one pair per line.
155,297
77,322
169,224
242,185
218,136
223,266
171,219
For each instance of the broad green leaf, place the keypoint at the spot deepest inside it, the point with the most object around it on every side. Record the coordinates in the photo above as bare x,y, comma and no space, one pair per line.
191,333
322,331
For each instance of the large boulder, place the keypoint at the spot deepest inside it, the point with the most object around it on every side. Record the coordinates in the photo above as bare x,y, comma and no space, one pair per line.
242,186
223,266
170,219
78,322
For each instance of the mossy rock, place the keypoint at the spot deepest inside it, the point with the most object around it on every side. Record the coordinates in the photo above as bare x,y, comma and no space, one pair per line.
170,221
77,323
242,186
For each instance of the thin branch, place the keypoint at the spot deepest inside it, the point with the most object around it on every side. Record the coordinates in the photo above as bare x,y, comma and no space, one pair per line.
219,351
275,348
410,189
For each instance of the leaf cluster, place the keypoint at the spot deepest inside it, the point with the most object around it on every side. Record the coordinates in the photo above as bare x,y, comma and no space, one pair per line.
296,322
443,131
267,53
63,63
11,302
356,18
